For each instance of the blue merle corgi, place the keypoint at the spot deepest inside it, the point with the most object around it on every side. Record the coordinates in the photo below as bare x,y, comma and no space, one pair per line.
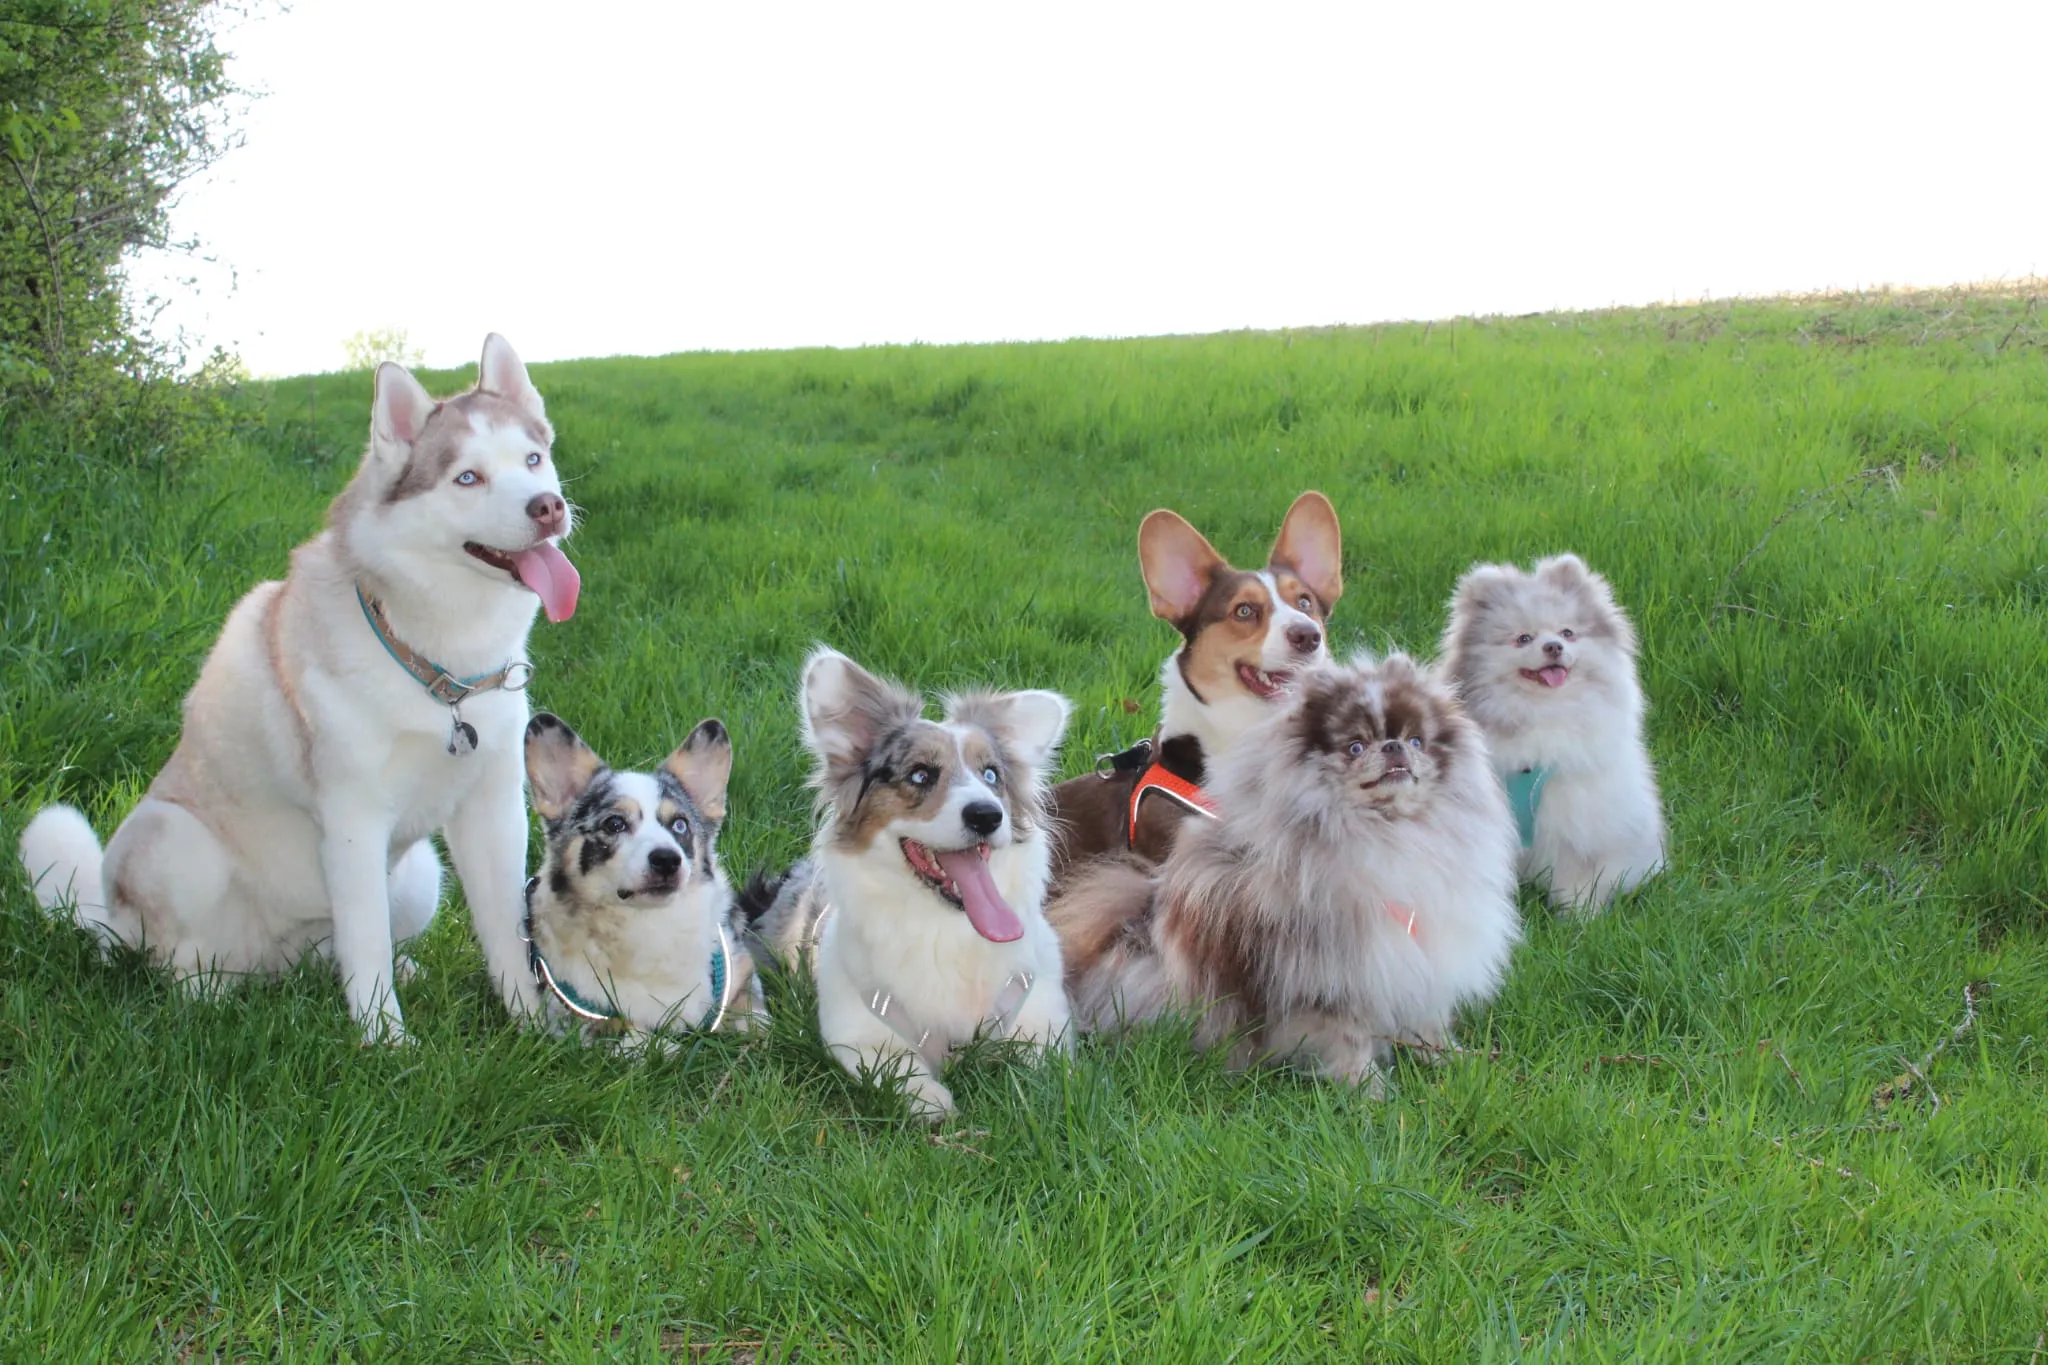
629,919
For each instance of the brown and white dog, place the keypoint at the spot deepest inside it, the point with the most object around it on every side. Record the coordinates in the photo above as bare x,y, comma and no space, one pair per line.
1355,892
1244,633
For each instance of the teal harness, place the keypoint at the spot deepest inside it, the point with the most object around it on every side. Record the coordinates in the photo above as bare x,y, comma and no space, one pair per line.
583,1009
1525,791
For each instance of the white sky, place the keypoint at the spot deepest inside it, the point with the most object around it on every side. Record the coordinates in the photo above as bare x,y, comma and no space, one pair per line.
601,178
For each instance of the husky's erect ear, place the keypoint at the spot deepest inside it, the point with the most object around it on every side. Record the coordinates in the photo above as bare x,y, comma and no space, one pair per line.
1311,544
703,764
399,411
1178,562
846,708
559,765
502,372
1029,724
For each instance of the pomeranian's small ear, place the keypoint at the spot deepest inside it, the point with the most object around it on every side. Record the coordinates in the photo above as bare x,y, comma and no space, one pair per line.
1311,543
703,764
1177,561
1481,588
559,765
1564,571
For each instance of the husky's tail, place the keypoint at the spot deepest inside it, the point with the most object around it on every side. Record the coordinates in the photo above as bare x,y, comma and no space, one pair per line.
1103,916
62,857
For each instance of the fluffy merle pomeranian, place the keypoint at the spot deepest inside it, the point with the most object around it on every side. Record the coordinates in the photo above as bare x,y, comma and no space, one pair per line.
1545,662
1356,890
629,916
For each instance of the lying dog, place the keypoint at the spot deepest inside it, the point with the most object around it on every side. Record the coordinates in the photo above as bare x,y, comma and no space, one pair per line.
1243,633
920,904
629,919
1356,890
1545,662
373,697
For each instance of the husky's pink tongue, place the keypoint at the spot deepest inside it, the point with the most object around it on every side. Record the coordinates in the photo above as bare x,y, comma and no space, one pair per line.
549,573
987,911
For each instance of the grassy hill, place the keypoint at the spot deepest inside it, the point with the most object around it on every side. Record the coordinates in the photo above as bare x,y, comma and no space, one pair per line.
1747,1114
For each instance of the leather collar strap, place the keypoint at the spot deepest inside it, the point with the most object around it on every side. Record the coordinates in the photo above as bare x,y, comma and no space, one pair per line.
1158,778
583,1009
441,685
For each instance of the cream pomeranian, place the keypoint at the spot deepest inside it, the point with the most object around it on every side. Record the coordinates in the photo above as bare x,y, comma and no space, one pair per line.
1545,662
1355,891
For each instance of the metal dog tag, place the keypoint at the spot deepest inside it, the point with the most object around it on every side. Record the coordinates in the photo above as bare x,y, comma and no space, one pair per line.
462,737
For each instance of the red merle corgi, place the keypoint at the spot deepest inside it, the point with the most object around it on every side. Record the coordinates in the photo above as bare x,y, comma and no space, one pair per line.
1244,632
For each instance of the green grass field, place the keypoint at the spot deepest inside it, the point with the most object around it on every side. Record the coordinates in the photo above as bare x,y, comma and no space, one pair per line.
1697,1134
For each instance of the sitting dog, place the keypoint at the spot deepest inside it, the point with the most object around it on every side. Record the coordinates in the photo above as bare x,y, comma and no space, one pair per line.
629,919
373,697
1545,663
1243,634
920,907
1355,891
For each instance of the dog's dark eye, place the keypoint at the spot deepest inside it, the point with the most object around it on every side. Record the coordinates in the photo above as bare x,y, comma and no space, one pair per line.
1357,748
469,478
680,827
1415,740
1246,611
988,775
533,460
614,824
1524,639
922,776
1567,633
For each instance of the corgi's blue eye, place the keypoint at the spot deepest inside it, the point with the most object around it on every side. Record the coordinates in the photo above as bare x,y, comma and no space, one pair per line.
921,776
1357,749
533,460
988,775
468,478
1415,740
681,827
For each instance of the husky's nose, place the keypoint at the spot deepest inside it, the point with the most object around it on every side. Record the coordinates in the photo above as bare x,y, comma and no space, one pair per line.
549,513
1553,648
1304,639
664,862
983,817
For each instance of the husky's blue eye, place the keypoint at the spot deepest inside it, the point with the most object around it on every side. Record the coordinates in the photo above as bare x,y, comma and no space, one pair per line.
468,478
1415,740
681,827
1357,749
533,460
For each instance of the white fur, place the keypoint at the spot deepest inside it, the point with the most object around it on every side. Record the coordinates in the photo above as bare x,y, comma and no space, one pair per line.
294,816
1220,721
886,934
1599,828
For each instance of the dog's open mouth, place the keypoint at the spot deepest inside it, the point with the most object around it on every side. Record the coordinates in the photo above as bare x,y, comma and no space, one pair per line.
1260,683
961,878
1550,675
541,568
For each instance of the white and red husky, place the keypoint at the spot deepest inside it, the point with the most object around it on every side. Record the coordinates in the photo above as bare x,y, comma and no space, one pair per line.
1244,633
372,698
922,902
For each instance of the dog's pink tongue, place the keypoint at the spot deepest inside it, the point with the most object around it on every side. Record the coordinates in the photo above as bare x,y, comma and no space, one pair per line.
549,573
1553,675
987,911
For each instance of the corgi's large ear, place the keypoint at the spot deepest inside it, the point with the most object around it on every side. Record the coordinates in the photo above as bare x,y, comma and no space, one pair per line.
703,764
846,708
398,411
1029,724
1311,544
1178,562
559,765
502,372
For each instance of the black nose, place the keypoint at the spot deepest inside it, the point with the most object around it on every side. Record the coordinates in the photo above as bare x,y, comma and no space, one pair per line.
664,862
1304,639
1393,747
1553,648
983,817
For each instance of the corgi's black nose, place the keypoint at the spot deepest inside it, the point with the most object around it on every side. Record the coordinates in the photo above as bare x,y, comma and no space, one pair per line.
664,862
1304,639
983,817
